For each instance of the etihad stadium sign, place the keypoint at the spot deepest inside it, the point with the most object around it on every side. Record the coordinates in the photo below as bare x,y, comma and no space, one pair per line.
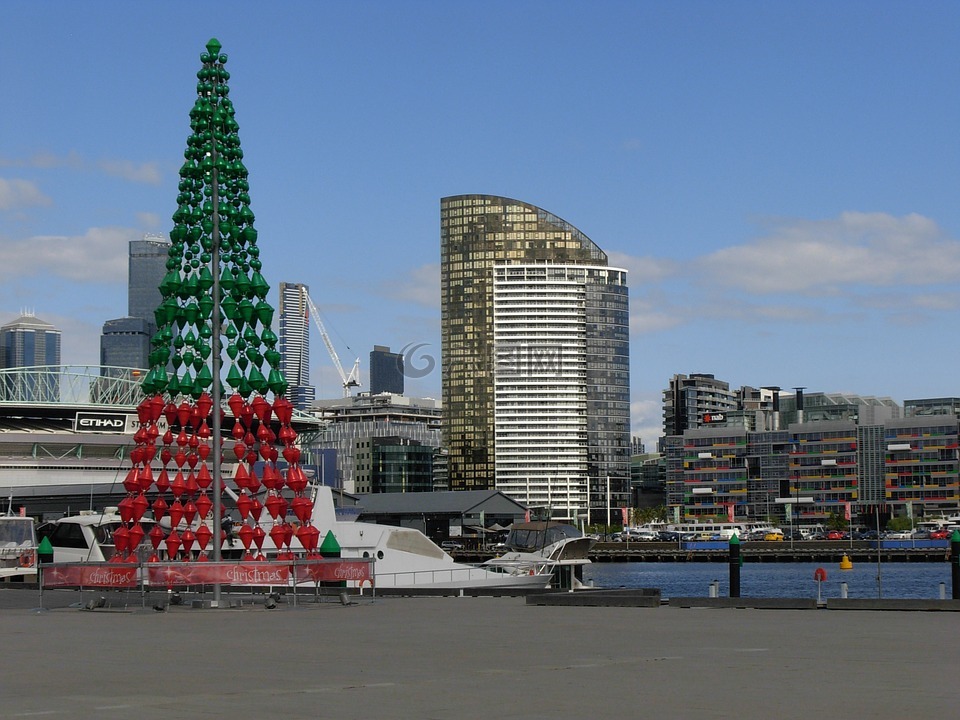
104,422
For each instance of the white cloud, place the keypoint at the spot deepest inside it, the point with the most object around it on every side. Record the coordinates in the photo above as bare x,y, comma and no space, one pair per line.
20,193
646,415
653,313
831,256
150,221
148,173
643,270
98,256
421,286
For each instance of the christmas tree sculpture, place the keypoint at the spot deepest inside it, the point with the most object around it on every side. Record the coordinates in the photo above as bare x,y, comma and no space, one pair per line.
214,256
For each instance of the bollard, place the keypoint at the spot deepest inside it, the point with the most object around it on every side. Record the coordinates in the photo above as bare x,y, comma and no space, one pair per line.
943,591
735,566
843,590
955,563
714,588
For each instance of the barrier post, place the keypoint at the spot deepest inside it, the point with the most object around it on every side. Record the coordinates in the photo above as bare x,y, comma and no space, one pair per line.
734,566
955,563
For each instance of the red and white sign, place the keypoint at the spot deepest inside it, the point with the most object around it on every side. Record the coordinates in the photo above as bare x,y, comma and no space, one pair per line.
174,575
105,575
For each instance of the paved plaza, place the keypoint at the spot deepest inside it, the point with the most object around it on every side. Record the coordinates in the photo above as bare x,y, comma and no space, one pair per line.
479,658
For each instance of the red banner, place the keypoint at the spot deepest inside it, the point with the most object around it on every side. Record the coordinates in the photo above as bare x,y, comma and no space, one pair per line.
335,570
209,573
105,575
171,575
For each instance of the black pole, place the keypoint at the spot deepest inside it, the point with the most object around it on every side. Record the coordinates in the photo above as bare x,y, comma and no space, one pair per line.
734,567
955,563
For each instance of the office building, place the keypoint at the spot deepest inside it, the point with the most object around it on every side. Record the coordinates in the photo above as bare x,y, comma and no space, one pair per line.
357,419
147,266
386,371
125,342
534,332
392,464
695,400
814,471
28,342
294,344
931,406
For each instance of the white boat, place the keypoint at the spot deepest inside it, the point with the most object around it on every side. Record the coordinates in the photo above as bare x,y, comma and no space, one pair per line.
89,537
553,548
18,548
406,558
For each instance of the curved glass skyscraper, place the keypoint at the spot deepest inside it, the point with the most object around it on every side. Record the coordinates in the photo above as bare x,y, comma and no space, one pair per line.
535,345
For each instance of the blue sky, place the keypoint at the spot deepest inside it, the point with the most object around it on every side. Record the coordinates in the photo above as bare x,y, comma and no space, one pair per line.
780,178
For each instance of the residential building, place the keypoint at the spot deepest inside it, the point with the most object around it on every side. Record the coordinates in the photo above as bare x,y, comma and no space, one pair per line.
294,344
534,333
386,371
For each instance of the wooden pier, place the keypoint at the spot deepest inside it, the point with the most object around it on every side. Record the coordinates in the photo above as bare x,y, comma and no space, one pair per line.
773,552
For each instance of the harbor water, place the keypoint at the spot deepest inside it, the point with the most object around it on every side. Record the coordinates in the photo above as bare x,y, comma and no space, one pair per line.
772,580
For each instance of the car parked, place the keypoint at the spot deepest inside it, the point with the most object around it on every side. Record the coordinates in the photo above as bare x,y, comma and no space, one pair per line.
940,535
836,535
635,536
451,545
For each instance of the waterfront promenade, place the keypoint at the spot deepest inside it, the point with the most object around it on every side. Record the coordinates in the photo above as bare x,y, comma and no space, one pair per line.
463,657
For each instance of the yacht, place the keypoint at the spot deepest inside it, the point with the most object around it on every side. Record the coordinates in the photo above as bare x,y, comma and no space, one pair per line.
18,548
552,548
406,558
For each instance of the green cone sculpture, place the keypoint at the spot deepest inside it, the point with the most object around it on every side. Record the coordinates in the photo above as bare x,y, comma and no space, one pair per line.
214,233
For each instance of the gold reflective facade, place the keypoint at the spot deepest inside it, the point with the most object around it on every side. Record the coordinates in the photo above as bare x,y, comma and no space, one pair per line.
479,233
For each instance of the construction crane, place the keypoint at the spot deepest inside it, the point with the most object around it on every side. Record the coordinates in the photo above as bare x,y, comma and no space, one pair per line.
349,381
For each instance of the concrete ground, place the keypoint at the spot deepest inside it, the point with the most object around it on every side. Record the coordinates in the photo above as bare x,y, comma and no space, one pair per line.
453,658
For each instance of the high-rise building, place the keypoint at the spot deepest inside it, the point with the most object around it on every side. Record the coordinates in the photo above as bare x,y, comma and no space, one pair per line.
147,266
295,344
699,399
535,348
125,342
26,342
386,371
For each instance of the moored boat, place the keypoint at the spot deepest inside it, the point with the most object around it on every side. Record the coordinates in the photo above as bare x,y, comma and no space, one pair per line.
18,547
553,548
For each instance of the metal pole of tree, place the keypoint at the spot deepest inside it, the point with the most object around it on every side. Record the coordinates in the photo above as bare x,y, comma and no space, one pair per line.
215,356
